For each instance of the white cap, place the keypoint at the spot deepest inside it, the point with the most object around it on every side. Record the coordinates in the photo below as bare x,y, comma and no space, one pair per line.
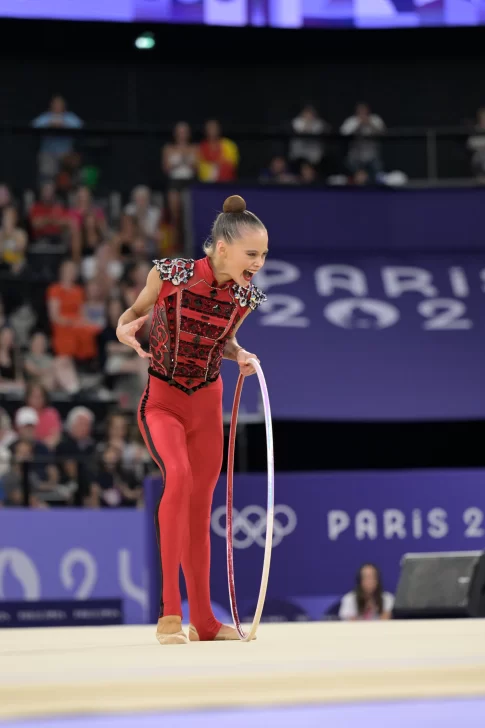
26,416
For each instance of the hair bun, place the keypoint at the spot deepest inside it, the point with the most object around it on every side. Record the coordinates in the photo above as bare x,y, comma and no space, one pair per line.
234,203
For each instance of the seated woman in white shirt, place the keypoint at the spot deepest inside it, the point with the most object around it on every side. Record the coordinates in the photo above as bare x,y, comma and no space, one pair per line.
367,600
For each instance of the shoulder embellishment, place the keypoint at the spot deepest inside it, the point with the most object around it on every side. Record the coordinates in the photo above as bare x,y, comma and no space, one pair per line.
175,270
251,296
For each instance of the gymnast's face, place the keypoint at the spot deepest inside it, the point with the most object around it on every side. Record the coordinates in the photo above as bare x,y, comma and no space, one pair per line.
244,257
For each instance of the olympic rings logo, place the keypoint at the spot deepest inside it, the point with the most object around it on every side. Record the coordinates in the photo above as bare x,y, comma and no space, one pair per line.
251,523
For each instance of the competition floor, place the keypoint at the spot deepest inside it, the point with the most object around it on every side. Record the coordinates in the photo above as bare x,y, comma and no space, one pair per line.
310,674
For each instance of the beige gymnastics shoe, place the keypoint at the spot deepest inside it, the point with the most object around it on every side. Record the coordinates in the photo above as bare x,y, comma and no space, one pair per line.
225,633
170,632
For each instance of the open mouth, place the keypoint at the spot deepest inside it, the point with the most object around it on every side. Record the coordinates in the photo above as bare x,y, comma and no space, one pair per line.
247,275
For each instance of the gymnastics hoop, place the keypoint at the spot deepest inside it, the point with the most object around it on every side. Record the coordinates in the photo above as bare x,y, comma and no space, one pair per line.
270,504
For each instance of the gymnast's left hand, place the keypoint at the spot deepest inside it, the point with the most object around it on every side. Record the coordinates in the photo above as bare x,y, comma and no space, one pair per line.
245,367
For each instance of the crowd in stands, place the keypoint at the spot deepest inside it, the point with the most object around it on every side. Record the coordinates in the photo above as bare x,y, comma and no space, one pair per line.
71,263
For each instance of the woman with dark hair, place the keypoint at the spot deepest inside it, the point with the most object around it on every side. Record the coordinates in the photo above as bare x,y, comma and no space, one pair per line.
198,305
367,600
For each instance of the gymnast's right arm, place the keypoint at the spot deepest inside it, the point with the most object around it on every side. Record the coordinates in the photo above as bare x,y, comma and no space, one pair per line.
135,316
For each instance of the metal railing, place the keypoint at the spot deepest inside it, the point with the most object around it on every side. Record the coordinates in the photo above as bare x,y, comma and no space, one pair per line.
127,155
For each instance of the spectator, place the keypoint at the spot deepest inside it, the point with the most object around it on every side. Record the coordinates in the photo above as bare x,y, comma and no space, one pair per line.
218,156
82,207
277,172
364,152
136,281
179,158
115,486
6,199
26,421
135,459
106,267
54,149
91,235
146,214
124,370
367,600
308,174
51,372
48,429
179,164
476,144
10,364
13,241
12,481
304,149
7,437
94,309
48,218
125,237
76,454
72,335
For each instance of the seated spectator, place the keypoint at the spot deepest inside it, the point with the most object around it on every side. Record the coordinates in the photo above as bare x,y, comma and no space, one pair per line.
124,370
106,267
48,429
304,149
135,458
278,172
364,152
12,482
114,485
92,235
72,335
308,174
82,207
76,454
476,144
26,421
218,156
48,218
126,235
10,363
13,242
51,372
146,214
7,437
367,600
94,309
135,283
6,199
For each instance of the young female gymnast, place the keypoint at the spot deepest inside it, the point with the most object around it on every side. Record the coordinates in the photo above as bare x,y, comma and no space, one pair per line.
198,307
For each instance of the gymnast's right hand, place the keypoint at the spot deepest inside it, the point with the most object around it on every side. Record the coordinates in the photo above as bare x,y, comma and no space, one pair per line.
126,334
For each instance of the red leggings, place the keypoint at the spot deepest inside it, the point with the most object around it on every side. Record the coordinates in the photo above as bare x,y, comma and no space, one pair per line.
184,436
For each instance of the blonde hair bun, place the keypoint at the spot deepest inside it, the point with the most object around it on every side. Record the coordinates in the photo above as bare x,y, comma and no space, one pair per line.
235,204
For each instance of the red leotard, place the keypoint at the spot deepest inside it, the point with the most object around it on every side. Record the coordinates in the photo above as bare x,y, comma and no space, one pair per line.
180,418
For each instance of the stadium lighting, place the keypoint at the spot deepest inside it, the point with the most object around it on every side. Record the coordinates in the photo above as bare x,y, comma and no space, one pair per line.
145,42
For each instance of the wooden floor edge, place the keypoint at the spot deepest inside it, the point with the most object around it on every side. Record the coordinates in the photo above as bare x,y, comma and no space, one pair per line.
234,692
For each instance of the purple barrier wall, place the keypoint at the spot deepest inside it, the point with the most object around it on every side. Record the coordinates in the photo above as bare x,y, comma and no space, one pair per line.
74,554
326,526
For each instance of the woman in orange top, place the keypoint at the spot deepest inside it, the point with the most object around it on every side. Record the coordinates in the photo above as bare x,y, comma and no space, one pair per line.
71,334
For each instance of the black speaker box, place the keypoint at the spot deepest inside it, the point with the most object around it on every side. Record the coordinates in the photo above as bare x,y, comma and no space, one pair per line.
441,585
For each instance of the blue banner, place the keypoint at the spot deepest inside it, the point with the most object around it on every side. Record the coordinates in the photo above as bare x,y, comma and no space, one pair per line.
326,526
367,337
69,554
382,220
